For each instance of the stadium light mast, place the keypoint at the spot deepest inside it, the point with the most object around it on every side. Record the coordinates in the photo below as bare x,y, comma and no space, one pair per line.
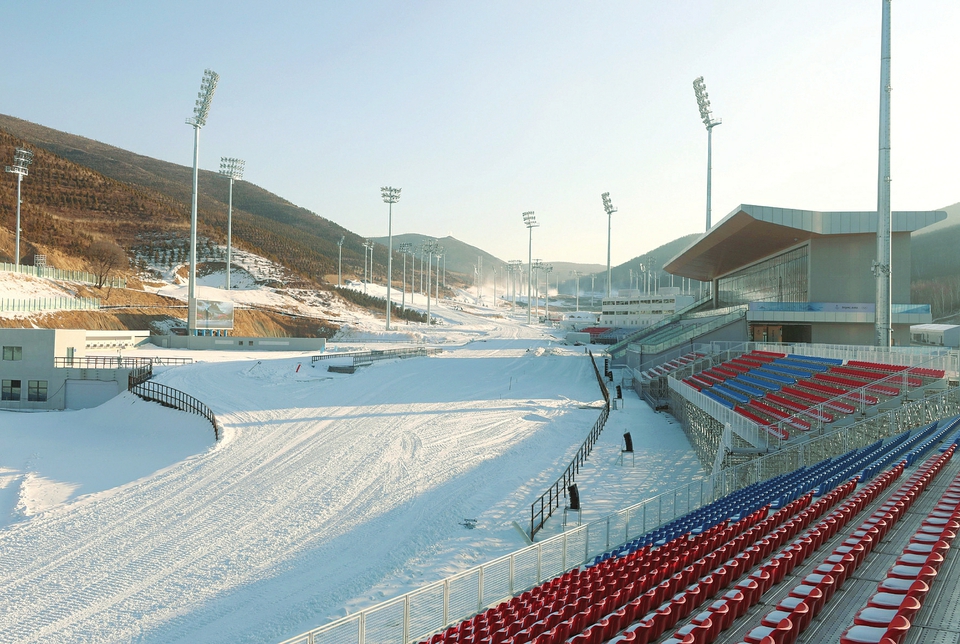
232,168
537,266
390,196
438,250
703,101
340,262
546,294
201,109
429,248
530,221
367,249
577,274
404,248
22,158
882,268
608,206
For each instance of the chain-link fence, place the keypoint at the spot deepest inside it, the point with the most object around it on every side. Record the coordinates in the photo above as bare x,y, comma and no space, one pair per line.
58,274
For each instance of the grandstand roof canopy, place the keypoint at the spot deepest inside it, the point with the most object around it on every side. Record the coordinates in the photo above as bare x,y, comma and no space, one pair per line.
750,233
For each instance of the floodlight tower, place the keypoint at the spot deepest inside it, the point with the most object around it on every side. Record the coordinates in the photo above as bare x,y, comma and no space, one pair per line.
516,266
882,268
429,248
537,266
703,102
390,196
22,158
340,261
201,109
530,221
608,206
232,168
413,270
546,294
367,249
577,274
404,248
438,251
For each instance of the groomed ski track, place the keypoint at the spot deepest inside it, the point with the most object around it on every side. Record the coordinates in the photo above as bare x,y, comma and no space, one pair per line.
322,490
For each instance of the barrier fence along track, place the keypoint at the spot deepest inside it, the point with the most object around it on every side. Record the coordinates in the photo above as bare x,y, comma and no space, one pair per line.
170,397
367,357
51,304
542,509
58,274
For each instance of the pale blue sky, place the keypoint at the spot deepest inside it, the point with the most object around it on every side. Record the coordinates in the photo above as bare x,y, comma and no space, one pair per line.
483,110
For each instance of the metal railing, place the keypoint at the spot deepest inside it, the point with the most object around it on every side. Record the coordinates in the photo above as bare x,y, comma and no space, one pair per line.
50,304
170,397
101,362
542,509
58,274
416,615
689,333
617,349
767,439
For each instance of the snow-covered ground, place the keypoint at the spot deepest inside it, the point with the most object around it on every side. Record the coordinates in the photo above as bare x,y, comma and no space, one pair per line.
327,494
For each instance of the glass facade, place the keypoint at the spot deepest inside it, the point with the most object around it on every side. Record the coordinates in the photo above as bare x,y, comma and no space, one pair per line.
782,278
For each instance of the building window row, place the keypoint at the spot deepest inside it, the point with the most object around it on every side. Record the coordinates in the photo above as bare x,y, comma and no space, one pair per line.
782,278
36,390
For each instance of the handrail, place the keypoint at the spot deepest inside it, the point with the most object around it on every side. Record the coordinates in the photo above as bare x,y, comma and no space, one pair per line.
100,362
693,331
170,397
621,346
550,500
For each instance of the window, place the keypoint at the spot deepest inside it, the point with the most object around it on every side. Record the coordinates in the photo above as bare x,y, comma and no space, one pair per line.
13,353
37,390
11,389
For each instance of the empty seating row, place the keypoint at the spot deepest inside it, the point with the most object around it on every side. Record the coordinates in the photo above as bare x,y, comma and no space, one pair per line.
790,618
887,615
805,599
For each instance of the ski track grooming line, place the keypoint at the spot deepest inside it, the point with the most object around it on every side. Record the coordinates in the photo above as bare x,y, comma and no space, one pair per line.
149,535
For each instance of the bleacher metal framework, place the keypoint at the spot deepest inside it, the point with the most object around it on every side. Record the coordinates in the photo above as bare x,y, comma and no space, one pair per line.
723,438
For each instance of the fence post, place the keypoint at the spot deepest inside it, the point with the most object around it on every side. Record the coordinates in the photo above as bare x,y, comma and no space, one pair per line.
406,618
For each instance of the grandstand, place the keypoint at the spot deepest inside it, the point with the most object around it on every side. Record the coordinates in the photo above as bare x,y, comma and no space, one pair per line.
850,548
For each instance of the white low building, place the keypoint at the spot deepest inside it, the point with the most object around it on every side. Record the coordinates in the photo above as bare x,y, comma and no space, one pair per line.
47,369
941,335
631,309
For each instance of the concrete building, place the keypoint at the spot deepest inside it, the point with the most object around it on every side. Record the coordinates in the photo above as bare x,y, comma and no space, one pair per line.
631,309
806,276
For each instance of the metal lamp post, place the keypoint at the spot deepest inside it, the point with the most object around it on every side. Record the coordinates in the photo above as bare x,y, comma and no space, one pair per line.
546,293
537,266
530,221
232,168
438,251
22,158
390,196
208,85
577,274
703,102
404,248
608,207
882,268
429,248
340,262
367,250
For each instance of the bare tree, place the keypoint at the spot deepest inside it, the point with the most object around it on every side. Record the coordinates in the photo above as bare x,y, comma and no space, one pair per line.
105,257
